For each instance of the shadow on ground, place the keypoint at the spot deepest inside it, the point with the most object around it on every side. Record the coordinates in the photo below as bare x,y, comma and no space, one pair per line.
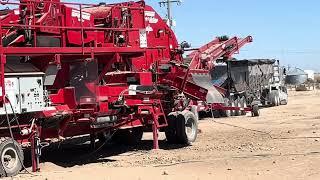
79,152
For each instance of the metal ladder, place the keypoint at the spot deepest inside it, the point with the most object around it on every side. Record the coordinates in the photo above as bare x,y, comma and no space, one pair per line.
277,73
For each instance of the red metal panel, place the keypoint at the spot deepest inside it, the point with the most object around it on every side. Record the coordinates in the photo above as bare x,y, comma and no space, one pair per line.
146,78
75,18
69,50
65,96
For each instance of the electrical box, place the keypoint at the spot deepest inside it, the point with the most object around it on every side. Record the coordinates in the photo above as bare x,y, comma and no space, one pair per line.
25,92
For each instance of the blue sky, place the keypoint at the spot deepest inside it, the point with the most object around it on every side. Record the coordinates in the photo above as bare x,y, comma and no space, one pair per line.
288,30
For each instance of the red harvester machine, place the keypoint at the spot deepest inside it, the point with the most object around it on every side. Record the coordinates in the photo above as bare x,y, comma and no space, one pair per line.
69,69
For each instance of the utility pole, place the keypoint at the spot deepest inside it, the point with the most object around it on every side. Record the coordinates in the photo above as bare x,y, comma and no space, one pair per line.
168,4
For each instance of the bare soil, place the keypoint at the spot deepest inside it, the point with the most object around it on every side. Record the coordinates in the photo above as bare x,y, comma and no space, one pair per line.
283,143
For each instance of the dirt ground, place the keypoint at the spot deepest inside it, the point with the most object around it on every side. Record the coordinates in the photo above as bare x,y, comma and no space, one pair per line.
283,143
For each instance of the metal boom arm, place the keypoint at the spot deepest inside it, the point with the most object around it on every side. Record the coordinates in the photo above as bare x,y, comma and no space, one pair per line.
205,56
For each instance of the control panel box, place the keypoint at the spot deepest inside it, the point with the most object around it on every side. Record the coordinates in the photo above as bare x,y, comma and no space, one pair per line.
25,92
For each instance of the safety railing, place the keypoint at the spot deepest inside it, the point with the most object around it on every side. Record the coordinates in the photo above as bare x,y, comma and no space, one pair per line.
31,6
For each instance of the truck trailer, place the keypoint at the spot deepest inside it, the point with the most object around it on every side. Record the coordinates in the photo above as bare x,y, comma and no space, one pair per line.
251,81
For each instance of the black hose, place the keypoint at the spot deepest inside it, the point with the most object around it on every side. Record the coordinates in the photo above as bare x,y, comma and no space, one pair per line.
14,115
11,134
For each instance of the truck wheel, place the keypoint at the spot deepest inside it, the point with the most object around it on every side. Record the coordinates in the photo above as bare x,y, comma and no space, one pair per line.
128,136
187,128
232,104
274,100
11,157
278,101
243,105
194,110
216,113
255,111
237,104
170,131
182,128
226,113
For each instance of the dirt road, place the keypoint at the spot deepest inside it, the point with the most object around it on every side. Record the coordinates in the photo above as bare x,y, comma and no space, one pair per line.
284,143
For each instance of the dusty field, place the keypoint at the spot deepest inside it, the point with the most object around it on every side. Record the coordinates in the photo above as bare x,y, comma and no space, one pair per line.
284,143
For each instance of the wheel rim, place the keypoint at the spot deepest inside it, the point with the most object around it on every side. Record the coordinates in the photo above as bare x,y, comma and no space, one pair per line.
9,158
190,128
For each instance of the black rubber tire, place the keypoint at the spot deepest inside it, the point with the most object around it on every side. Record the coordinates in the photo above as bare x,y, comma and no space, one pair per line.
243,103
232,104
274,100
237,104
170,131
11,148
255,111
128,136
216,113
226,113
178,126
278,101
185,120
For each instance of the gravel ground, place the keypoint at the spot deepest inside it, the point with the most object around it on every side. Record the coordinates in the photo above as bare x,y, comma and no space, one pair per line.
283,143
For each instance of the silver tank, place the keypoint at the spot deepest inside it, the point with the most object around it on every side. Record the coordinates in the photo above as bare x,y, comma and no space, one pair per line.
296,76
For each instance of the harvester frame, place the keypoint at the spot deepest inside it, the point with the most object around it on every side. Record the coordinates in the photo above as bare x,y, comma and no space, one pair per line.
95,69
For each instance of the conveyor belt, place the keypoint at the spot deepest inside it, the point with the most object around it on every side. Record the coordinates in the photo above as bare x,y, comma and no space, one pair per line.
204,81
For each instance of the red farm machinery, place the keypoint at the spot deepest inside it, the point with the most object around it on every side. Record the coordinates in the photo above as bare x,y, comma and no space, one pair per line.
106,70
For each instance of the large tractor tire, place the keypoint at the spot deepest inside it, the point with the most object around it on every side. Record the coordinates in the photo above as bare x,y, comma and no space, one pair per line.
194,110
182,129
128,136
170,131
11,155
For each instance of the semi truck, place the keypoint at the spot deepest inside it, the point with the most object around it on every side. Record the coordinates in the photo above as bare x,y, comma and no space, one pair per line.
259,81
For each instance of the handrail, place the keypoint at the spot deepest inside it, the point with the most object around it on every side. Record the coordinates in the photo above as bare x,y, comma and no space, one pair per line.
71,27
217,49
70,3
